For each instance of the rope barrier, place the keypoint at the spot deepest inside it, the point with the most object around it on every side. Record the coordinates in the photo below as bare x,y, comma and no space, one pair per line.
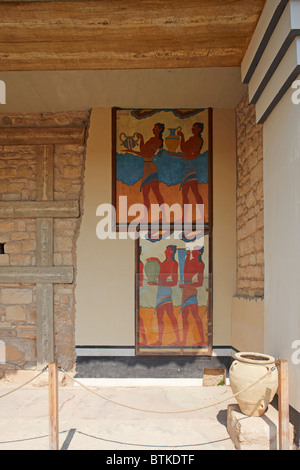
168,412
24,384
54,442
136,408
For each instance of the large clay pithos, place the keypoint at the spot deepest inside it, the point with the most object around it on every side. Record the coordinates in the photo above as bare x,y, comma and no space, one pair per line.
248,368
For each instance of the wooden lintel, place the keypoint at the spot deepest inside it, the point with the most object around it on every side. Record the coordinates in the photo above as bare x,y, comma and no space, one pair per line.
39,209
42,135
36,275
114,34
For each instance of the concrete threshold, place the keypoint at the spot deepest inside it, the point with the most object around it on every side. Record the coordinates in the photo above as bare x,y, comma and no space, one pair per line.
137,382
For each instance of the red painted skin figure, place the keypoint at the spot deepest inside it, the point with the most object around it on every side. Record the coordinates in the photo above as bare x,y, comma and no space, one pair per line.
193,266
164,303
150,176
143,341
190,150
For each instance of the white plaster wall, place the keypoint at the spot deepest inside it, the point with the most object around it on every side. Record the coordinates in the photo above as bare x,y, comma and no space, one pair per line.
105,268
81,90
282,236
224,230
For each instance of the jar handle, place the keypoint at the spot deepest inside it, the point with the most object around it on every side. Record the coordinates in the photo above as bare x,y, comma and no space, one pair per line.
122,139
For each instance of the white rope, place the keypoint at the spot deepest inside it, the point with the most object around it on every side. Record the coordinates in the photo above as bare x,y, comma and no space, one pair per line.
168,412
24,385
136,408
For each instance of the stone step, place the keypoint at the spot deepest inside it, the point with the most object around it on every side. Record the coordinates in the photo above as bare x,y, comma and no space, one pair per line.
254,433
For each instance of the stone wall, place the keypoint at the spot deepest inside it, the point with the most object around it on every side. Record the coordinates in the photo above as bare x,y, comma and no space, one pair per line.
250,202
18,182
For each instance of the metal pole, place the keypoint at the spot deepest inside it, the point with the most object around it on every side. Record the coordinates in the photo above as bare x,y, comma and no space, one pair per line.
53,407
283,405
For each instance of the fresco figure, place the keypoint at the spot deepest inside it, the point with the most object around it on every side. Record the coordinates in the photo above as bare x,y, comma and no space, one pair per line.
193,266
164,301
143,341
190,149
150,175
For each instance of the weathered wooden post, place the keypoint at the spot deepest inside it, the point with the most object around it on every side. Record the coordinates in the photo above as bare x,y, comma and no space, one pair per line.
53,407
45,274
283,405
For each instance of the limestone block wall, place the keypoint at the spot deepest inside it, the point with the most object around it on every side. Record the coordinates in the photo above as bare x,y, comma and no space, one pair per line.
250,202
18,182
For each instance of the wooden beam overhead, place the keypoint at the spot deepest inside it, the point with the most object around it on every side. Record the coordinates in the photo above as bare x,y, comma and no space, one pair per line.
37,275
39,209
41,135
125,34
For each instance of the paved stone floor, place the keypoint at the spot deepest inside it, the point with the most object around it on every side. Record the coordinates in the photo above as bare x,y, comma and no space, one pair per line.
87,422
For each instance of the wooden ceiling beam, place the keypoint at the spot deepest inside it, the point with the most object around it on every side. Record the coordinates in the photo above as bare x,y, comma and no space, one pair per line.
117,34
15,34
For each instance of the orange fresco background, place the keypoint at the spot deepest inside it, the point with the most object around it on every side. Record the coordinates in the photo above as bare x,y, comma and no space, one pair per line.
150,323
171,195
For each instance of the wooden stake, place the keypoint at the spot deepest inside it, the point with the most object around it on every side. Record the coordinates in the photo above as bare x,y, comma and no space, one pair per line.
283,405
53,407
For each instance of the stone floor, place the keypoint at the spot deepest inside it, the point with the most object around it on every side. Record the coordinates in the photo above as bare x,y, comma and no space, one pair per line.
88,422
173,415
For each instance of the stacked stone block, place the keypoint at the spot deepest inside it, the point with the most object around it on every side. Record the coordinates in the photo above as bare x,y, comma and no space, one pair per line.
250,202
18,182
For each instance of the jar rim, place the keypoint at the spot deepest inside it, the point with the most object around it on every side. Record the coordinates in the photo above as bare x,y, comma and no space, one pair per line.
254,358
